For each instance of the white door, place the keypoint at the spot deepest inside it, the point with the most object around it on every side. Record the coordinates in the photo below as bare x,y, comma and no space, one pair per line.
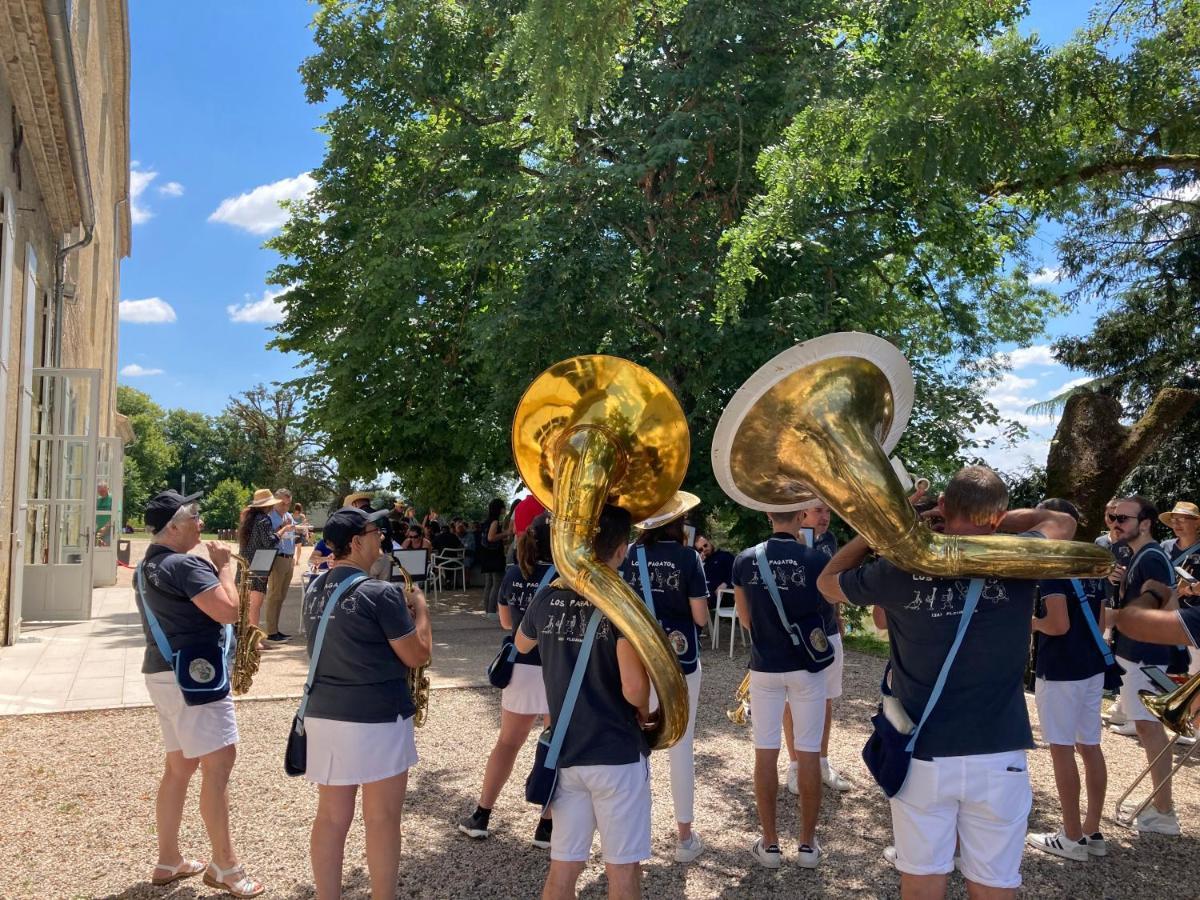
16,562
60,493
110,458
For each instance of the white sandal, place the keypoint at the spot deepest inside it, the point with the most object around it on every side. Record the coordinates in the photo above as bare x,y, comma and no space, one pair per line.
243,888
187,868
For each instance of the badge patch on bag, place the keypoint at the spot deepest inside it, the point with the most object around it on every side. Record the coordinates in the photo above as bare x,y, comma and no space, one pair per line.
678,642
818,639
202,671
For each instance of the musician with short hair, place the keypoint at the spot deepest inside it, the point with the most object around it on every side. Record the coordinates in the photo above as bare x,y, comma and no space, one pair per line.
968,778
603,773
190,599
786,670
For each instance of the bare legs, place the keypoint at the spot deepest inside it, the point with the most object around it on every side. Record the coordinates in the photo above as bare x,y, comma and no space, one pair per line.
514,731
215,769
168,805
383,807
1154,738
1066,779
933,887
624,881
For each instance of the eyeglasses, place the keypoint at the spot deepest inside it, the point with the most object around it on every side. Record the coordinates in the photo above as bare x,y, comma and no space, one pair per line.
367,531
1121,520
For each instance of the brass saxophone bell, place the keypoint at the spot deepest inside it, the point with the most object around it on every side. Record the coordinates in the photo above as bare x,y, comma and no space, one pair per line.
819,419
596,430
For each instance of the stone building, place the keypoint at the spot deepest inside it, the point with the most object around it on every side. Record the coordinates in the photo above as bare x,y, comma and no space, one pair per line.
64,228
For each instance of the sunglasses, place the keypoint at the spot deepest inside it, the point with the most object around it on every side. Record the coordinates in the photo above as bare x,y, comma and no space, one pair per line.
1121,520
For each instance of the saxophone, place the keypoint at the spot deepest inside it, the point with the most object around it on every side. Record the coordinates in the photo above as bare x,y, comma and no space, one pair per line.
418,680
741,711
247,655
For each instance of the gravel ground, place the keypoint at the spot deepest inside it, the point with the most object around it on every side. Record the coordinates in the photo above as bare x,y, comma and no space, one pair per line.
77,792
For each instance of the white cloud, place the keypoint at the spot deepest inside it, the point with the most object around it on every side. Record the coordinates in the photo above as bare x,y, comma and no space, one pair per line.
171,189
1189,193
265,311
139,180
1046,276
1076,382
1025,357
258,211
151,311
133,370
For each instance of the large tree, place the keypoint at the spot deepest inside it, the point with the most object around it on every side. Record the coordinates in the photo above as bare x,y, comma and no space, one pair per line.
150,456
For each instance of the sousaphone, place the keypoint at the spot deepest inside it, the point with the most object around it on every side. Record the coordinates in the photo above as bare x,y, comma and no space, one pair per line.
592,430
819,419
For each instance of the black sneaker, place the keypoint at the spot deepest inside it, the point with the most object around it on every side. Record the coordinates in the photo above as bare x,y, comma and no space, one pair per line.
279,637
541,836
474,826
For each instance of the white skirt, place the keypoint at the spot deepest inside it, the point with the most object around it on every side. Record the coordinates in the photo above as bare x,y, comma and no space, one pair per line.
341,753
526,692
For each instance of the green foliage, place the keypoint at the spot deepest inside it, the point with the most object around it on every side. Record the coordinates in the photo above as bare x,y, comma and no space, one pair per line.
150,456
200,454
222,506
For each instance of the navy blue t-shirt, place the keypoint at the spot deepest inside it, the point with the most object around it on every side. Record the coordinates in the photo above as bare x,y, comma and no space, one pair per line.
1074,655
172,580
1148,564
359,677
828,545
676,575
718,570
982,707
795,568
1190,617
603,730
517,592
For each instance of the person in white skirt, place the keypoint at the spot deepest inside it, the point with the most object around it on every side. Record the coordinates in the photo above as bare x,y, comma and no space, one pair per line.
359,723
524,699
679,601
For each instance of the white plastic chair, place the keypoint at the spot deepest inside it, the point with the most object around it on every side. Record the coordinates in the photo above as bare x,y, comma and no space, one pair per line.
726,612
449,564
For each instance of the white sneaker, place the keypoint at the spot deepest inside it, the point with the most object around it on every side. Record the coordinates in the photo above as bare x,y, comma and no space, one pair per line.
809,855
1116,717
1126,728
1096,845
793,779
767,856
1184,740
833,778
1058,844
1152,821
686,851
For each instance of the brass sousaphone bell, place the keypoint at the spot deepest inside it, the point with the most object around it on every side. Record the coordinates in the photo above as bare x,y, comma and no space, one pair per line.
592,430
819,419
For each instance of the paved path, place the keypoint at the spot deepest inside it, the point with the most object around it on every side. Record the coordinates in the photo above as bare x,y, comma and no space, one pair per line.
58,667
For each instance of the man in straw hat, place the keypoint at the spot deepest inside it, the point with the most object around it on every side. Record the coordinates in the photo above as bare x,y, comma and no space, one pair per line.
677,596
1184,550
282,566
358,500
787,663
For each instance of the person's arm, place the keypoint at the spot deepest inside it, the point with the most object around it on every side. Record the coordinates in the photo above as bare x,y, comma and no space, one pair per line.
1057,526
741,605
849,557
699,609
635,683
879,617
494,533
505,616
1153,626
1056,621
220,602
524,642
415,648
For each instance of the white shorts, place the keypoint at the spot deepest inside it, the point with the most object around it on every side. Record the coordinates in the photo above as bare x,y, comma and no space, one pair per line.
1132,681
1069,711
833,674
341,753
979,799
804,692
193,730
614,800
526,692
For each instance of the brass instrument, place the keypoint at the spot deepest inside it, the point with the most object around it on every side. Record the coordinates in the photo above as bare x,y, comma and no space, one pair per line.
247,656
418,679
740,713
592,430
819,420
1177,711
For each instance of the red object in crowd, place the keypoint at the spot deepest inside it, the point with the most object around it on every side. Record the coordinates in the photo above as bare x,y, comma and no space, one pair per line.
527,510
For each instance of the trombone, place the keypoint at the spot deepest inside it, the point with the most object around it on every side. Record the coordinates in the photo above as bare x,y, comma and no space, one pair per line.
1175,711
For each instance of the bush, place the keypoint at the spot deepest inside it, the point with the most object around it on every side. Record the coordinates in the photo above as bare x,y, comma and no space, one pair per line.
223,507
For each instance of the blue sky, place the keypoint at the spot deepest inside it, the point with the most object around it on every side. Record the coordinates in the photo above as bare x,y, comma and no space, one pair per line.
221,132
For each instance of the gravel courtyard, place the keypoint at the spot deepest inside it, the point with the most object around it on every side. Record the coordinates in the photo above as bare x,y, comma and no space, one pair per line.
76,792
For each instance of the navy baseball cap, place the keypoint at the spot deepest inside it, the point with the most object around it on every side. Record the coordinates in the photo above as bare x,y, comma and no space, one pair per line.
347,522
162,507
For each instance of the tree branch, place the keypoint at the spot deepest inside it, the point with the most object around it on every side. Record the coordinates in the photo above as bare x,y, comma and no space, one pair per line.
1173,162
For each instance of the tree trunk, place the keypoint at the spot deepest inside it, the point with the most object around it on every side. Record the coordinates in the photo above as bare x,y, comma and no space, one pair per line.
1092,452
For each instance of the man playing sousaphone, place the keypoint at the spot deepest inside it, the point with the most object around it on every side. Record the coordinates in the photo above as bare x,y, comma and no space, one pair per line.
668,574
968,779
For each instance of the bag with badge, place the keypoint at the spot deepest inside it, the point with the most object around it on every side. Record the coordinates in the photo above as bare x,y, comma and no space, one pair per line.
808,634
1112,669
201,669
682,638
889,750
500,669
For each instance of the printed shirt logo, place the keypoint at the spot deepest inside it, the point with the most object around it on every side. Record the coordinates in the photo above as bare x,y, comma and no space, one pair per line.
948,598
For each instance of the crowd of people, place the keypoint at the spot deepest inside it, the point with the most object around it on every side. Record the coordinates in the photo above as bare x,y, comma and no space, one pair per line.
966,797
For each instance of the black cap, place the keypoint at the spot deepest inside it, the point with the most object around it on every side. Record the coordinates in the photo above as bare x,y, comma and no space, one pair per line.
345,523
162,507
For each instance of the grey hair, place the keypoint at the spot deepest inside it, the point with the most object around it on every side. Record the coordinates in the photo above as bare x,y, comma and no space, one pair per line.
283,492
184,512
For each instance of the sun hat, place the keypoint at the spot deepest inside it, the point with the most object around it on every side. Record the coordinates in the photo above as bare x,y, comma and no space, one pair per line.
351,499
1182,508
263,497
679,505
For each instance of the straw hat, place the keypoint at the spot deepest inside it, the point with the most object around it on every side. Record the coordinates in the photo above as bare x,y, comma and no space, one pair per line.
263,497
349,499
1181,509
679,505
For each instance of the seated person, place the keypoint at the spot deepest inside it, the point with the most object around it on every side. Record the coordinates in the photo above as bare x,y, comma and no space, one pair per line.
443,538
318,560
718,567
